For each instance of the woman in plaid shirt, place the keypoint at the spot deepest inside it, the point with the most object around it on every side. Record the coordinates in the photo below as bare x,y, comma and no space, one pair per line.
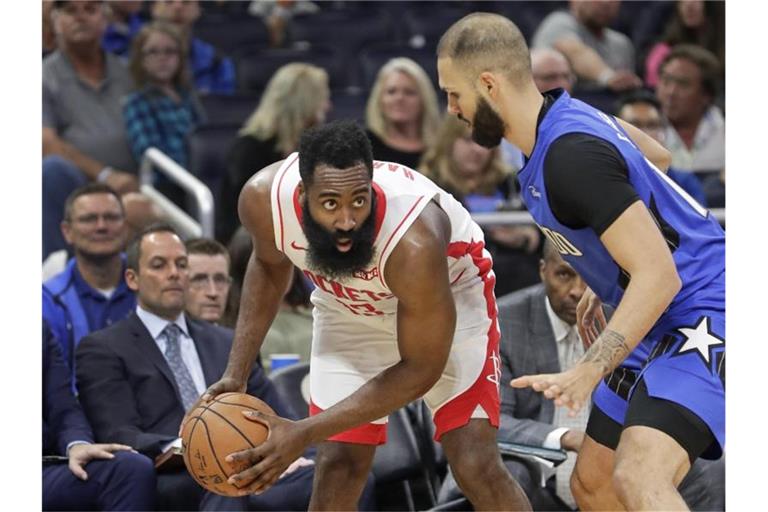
163,110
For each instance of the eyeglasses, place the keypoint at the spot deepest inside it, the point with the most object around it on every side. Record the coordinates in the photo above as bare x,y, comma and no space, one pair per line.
156,52
220,281
93,218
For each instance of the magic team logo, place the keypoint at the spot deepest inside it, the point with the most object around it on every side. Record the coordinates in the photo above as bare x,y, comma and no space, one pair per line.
366,275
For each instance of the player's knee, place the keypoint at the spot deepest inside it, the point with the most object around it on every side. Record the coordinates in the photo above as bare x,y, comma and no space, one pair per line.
628,480
477,468
342,461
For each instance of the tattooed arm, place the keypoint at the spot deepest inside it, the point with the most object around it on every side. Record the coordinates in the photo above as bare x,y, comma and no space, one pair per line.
636,244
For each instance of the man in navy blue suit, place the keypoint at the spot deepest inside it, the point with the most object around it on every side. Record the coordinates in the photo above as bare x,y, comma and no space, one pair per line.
77,474
138,377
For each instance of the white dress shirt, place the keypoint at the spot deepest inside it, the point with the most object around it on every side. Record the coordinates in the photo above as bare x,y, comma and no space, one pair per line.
155,325
565,352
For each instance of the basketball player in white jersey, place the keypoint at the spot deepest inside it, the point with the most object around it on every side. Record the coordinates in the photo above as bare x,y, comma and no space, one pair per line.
404,309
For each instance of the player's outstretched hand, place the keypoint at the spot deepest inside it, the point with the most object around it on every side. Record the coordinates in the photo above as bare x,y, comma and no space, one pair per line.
268,462
571,388
590,318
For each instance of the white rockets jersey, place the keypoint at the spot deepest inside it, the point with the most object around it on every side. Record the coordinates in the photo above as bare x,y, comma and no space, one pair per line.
401,195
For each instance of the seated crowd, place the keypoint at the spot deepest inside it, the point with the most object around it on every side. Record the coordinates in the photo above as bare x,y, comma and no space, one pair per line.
137,320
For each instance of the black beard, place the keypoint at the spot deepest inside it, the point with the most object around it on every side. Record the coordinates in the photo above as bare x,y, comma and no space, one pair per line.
324,258
487,126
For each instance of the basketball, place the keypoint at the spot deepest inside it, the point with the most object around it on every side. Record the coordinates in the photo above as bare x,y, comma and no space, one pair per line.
217,429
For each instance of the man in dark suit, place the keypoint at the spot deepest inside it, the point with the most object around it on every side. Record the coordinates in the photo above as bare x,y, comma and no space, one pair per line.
77,474
139,376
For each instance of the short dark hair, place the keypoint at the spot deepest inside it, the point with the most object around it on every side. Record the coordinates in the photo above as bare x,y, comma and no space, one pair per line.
637,96
207,246
339,144
133,253
61,3
706,61
88,190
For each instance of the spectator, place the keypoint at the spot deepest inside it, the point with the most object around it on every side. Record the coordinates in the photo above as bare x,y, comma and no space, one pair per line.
550,70
212,73
140,212
124,23
49,36
694,22
164,110
478,178
90,476
600,56
401,115
643,110
139,376
209,279
83,134
296,98
689,78
291,330
91,293
277,15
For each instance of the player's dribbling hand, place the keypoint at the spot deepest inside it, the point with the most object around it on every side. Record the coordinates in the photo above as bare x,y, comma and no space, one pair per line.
571,388
224,385
590,318
268,462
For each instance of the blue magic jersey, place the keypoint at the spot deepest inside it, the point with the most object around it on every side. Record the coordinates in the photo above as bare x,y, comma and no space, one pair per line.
694,237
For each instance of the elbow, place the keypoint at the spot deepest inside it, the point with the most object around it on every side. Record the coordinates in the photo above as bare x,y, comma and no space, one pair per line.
671,284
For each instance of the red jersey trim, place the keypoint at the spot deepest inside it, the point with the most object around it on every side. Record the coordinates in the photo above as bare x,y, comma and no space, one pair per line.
389,240
280,203
369,433
484,392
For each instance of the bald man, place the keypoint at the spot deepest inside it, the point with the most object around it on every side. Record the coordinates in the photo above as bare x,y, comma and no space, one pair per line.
551,70
594,186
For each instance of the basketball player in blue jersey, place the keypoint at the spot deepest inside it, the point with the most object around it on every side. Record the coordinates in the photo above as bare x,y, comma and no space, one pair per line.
594,186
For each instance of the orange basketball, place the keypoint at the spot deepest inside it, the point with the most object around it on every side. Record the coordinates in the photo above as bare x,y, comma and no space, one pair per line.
216,429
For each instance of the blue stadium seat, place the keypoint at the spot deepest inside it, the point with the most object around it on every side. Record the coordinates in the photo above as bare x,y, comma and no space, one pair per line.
225,110
256,67
232,34
374,57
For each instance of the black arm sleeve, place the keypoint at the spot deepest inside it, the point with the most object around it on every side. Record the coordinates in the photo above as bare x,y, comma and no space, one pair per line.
587,182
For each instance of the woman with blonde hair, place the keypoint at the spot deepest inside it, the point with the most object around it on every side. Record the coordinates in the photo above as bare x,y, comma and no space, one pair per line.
297,97
482,182
402,112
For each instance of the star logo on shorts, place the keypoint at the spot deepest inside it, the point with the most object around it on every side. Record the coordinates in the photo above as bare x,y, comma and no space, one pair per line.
700,339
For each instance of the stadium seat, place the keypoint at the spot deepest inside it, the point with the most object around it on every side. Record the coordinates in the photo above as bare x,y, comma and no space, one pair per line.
256,67
208,147
398,462
225,110
287,381
374,57
233,34
347,104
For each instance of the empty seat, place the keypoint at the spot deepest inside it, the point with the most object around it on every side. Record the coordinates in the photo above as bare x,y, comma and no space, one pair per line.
374,57
255,68
224,110
233,34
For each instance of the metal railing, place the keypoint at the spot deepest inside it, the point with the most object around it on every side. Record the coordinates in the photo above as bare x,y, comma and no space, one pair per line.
200,193
523,217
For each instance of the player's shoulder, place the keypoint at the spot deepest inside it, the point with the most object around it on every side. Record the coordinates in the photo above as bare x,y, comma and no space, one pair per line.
430,231
254,204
